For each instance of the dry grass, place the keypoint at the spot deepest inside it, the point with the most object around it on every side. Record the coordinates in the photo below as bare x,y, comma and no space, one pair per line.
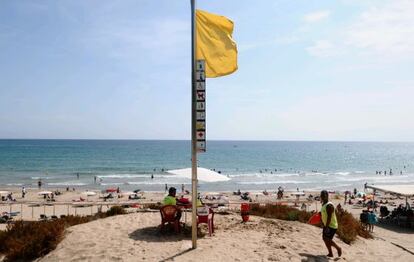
25,241
349,227
280,212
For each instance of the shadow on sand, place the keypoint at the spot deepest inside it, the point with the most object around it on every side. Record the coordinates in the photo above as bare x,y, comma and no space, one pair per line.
171,258
392,226
154,234
313,258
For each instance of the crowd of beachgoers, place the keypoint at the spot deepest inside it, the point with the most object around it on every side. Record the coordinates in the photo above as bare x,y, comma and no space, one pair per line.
43,203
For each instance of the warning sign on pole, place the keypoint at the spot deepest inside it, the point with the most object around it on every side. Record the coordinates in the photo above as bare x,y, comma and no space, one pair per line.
201,105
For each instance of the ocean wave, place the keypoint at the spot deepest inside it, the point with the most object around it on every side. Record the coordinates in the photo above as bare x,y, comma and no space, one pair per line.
264,175
113,184
316,174
43,177
14,184
342,173
67,184
124,176
270,182
158,183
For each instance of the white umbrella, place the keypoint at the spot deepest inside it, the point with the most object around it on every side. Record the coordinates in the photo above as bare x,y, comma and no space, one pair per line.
203,174
4,192
89,193
44,193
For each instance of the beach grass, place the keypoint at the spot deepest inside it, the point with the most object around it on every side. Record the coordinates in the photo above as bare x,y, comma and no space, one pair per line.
349,227
25,241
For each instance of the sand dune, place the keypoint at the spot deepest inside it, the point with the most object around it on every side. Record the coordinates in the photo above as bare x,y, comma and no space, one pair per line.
135,237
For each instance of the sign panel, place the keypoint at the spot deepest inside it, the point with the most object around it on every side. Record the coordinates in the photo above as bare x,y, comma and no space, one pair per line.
201,146
201,105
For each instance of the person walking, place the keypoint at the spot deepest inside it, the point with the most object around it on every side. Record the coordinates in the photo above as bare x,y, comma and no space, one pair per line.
330,224
23,192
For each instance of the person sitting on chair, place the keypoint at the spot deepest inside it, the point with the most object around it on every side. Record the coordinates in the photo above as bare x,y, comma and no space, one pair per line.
171,200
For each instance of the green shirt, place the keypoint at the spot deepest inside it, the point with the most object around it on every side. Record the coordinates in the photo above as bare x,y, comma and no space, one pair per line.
324,213
169,200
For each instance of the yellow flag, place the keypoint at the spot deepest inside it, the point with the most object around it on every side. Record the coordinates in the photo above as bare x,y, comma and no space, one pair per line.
215,44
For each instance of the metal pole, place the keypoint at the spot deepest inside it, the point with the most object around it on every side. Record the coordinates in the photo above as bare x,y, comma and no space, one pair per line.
193,128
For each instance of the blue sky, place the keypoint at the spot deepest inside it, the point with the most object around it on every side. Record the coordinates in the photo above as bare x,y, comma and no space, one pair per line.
308,70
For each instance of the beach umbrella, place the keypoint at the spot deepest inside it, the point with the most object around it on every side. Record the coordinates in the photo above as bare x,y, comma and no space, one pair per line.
45,193
111,190
203,174
4,192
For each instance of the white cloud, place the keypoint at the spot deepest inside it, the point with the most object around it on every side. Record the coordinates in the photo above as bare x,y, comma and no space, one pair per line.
322,48
385,29
316,16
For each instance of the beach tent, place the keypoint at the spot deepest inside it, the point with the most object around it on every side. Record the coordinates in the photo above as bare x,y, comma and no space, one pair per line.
203,174
402,190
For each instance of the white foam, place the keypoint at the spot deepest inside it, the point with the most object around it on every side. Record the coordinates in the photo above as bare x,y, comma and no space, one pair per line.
270,182
125,176
67,184
14,184
43,177
112,184
342,173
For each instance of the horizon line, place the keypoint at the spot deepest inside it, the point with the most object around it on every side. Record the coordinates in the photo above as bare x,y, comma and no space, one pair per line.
214,140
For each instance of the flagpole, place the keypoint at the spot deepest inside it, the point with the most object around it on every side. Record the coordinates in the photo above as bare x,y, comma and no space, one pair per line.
193,128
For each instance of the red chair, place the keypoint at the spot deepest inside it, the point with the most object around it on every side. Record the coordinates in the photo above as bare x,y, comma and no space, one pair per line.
169,216
204,217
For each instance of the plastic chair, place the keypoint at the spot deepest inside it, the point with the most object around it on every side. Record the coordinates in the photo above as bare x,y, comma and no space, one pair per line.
205,215
169,216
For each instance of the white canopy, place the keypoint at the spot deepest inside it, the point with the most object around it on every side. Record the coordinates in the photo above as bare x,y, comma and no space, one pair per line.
203,174
403,190
4,192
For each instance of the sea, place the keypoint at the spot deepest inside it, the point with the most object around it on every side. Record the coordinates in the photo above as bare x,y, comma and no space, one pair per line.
250,165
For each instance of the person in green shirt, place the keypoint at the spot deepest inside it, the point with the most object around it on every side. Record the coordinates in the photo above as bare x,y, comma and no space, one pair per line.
171,200
330,224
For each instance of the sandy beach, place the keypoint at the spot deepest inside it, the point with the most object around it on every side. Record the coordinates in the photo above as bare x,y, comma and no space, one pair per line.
135,236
